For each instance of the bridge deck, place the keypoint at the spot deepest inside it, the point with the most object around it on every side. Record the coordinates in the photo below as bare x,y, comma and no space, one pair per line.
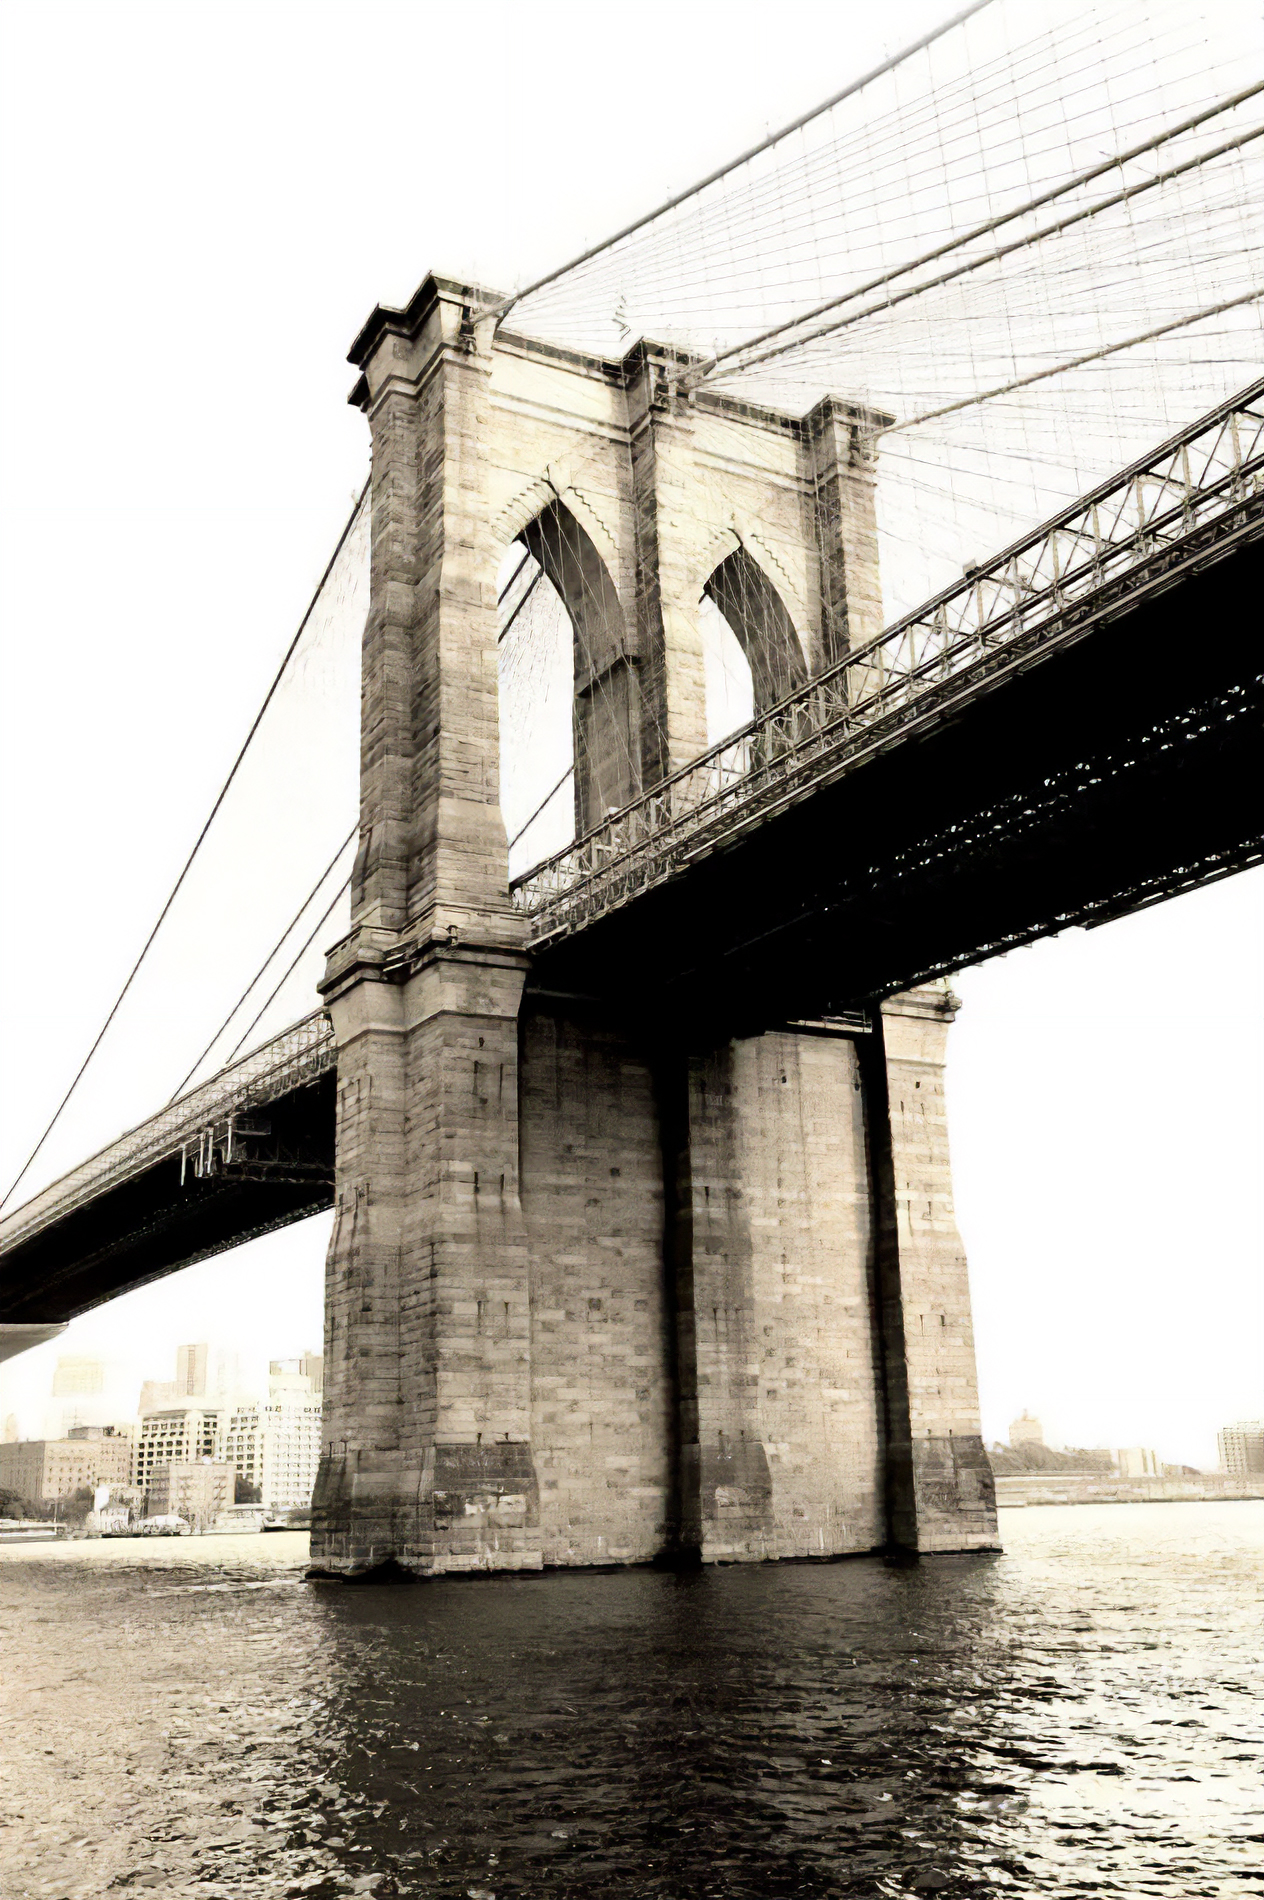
1181,508
195,1177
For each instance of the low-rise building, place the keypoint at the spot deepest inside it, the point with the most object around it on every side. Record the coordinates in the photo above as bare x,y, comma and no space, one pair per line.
41,1469
1242,1448
116,1509
240,1518
179,1435
196,1492
125,1433
1135,1461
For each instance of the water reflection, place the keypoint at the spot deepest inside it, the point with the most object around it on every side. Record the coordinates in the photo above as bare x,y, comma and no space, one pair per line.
1081,1714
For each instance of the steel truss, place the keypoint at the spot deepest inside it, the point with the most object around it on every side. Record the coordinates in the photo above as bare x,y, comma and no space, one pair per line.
938,857
1178,510
193,1129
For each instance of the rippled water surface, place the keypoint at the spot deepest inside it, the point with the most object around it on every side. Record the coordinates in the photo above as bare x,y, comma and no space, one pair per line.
1081,1715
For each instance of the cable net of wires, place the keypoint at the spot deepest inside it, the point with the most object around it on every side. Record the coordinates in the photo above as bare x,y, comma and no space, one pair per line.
274,871
1035,243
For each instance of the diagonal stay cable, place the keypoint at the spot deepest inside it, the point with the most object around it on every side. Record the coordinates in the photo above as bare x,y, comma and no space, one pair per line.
257,977
527,592
502,310
317,927
1114,162
523,829
1077,362
503,595
198,843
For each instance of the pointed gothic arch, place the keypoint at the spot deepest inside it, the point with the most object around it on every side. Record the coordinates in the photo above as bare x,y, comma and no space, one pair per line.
757,617
607,696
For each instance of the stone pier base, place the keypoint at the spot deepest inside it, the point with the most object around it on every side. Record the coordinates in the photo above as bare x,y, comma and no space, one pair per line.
745,1327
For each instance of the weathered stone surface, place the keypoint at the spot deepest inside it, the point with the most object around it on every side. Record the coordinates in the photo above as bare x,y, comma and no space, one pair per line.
779,1339
595,1295
602,1396
941,1493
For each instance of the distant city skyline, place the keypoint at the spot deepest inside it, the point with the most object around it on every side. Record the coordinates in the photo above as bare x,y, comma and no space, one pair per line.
141,1357
191,1442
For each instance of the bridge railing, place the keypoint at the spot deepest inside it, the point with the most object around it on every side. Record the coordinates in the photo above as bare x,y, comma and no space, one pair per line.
299,1054
1193,481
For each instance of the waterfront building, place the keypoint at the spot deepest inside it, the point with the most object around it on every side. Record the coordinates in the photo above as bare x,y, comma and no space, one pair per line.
302,1376
41,1469
1242,1448
1026,1431
180,1434
206,1372
124,1432
197,1492
277,1447
1135,1461
77,1377
116,1509
240,1518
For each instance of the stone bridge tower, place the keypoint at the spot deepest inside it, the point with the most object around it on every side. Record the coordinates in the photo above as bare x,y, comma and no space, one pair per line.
596,1294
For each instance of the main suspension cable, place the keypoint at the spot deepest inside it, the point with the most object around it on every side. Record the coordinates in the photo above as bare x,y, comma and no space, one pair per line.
198,843
317,927
731,165
257,977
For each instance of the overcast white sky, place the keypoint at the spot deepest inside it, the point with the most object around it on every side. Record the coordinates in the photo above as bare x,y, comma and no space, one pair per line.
202,203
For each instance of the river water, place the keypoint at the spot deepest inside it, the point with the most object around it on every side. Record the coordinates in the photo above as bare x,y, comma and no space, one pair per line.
1082,1715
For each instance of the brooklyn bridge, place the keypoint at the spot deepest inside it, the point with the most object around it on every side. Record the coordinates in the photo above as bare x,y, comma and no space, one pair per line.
625,1085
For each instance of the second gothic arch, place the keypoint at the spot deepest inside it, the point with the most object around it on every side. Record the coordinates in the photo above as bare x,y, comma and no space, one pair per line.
758,618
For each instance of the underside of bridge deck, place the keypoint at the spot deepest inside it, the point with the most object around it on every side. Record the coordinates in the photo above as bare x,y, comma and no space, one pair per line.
1124,769
169,1216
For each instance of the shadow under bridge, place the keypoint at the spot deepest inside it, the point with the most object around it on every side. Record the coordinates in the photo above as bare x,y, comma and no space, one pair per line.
247,1152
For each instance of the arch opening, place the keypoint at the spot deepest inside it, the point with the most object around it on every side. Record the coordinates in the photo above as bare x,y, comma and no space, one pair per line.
756,617
552,566
726,672
536,679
